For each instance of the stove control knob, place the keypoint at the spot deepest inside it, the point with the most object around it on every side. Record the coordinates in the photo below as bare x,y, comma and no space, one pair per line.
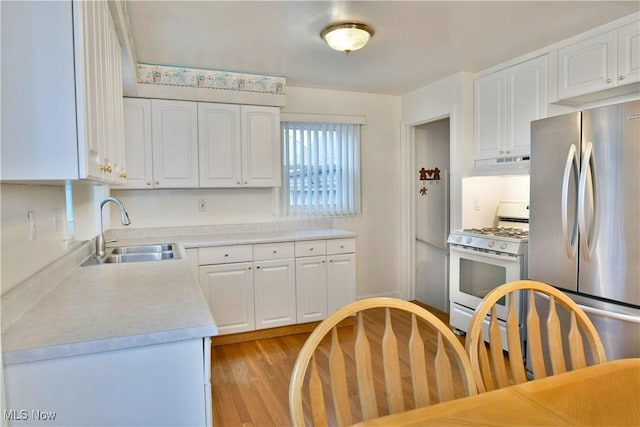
469,239
458,239
503,245
492,243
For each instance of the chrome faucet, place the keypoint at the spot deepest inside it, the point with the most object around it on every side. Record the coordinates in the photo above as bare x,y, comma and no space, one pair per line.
124,218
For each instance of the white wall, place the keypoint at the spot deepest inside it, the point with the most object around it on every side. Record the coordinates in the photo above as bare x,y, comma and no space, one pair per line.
378,227
21,257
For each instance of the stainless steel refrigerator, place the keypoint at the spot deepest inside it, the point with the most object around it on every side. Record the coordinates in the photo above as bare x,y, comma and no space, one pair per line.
584,232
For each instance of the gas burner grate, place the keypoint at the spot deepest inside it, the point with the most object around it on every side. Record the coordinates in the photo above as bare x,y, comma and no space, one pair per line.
513,232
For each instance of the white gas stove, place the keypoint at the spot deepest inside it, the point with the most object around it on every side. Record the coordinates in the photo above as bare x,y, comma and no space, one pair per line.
483,258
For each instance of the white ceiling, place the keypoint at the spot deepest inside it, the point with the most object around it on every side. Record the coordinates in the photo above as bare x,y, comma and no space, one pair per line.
415,42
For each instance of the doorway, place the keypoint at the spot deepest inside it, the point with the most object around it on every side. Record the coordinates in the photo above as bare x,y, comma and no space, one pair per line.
431,201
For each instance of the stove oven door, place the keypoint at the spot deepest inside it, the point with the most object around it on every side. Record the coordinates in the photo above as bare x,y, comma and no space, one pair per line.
473,274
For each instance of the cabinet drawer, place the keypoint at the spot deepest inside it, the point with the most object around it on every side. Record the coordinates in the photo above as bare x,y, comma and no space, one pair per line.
225,254
341,246
311,247
267,251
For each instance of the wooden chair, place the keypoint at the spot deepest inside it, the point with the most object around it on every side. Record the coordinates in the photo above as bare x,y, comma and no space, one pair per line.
385,345
496,369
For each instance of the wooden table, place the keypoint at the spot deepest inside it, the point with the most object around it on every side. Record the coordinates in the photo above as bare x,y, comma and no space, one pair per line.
602,395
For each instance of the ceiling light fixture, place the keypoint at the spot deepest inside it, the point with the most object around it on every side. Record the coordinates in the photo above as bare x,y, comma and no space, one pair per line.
347,37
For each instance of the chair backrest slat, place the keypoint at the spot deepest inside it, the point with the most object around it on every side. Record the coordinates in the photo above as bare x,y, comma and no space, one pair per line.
444,377
534,339
576,346
318,409
554,337
418,366
497,357
339,381
485,367
514,343
364,371
392,378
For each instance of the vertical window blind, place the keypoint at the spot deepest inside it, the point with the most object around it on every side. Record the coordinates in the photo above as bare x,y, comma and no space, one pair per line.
322,163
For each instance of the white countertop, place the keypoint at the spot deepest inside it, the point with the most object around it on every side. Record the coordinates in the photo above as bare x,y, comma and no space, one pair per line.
114,306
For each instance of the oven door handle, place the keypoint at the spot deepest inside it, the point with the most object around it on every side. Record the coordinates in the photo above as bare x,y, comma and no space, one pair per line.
508,258
569,242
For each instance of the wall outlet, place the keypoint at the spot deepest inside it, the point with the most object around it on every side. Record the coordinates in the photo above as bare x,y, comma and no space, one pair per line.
202,205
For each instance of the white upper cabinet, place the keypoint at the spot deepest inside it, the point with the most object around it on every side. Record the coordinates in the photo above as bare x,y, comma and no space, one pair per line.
629,53
239,145
137,125
62,112
174,130
601,62
261,166
220,145
505,104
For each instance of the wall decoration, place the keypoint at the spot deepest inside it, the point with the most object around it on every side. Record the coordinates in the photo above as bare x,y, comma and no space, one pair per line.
429,174
211,79
423,191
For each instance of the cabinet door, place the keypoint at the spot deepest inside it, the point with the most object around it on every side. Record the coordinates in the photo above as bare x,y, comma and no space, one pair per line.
490,108
231,295
341,281
311,288
587,66
275,293
527,101
91,128
138,145
220,145
629,54
261,146
175,143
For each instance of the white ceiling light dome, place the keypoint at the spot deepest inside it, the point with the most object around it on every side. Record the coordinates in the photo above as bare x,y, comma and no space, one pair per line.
347,37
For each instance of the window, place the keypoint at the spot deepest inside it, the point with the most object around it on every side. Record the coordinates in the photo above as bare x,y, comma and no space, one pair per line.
322,163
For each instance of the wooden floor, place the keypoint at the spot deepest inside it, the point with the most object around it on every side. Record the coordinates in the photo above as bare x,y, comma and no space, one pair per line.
250,380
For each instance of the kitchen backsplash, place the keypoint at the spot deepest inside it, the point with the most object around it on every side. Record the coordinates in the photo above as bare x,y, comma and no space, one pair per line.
481,195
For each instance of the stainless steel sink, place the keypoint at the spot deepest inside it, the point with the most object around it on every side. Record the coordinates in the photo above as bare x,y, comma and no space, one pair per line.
143,249
137,253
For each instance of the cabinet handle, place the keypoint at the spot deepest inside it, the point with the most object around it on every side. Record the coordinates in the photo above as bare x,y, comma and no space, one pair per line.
501,152
123,175
157,182
331,260
106,168
248,268
310,249
226,255
148,183
323,261
257,266
275,251
245,183
238,183
608,80
621,77
341,246
508,151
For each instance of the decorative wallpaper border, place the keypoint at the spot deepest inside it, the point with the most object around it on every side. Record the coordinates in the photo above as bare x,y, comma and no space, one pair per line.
209,79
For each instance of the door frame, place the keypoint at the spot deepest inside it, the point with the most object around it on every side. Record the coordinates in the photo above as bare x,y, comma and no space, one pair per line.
407,155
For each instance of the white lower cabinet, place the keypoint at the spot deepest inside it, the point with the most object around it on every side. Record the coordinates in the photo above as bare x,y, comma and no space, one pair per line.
156,385
311,287
230,294
252,287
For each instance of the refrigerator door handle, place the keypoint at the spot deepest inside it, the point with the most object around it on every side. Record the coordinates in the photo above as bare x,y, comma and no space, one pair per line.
610,314
569,242
582,190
